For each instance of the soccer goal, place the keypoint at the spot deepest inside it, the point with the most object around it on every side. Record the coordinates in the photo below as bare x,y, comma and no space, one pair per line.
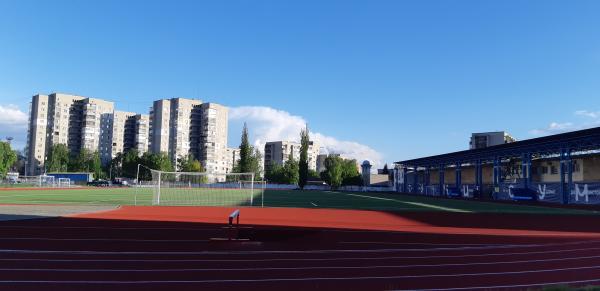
206,189
64,183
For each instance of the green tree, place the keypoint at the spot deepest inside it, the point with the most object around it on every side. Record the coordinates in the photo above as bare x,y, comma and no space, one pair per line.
95,165
291,171
274,174
350,174
255,164
7,158
313,175
303,163
58,159
250,158
189,164
131,159
80,162
340,172
333,171
115,167
244,165
160,162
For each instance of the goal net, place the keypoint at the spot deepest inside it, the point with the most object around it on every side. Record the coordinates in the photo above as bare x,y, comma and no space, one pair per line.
64,182
206,189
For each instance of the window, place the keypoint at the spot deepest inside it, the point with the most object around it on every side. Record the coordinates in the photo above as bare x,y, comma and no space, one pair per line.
544,170
553,170
576,167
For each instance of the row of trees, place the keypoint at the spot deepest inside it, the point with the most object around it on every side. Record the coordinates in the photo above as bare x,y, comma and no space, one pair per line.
338,171
250,157
60,160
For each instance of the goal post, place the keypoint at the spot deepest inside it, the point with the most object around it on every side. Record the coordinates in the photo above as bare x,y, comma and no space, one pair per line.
64,182
205,189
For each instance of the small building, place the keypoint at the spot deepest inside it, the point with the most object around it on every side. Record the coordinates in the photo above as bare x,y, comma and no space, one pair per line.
487,139
76,178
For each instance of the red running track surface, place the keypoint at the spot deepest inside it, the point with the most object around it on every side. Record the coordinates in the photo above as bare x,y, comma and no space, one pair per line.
159,248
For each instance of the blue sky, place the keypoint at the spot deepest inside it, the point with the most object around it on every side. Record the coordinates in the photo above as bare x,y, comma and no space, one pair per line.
402,78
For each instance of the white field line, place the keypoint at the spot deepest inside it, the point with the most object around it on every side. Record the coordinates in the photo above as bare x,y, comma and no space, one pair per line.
306,278
407,202
403,266
307,259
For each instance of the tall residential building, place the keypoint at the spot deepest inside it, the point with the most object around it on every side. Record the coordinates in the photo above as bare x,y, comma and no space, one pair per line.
213,138
278,152
129,131
180,127
488,139
76,121
232,157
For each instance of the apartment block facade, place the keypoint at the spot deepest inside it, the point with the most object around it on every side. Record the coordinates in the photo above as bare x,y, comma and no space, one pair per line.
278,152
181,127
79,123
129,131
177,126
75,121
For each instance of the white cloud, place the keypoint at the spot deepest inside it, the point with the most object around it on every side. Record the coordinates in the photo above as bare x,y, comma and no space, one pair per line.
586,113
269,124
12,118
13,122
592,119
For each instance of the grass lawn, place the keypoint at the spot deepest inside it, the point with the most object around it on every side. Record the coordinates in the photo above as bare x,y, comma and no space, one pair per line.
271,198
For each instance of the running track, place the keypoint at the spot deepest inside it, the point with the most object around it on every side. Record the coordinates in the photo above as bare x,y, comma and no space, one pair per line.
157,248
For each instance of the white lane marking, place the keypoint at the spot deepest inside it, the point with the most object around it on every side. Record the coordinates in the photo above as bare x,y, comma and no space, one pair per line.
424,244
104,239
313,204
511,286
306,259
300,268
387,250
305,278
407,202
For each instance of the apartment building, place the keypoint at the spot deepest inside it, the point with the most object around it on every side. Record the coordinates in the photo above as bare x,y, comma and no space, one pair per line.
232,156
180,127
176,126
487,139
129,131
213,138
76,121
278,152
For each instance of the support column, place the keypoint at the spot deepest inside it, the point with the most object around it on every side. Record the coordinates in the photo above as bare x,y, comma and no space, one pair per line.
563,169
497,175
478,175
569,174
426,179
525,169
458,184
415,180
404,178
441,180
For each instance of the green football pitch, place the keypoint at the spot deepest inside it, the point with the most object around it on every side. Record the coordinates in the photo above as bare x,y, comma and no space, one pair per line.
268,198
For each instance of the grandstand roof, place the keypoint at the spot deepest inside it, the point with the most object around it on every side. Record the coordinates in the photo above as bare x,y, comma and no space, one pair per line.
581,140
